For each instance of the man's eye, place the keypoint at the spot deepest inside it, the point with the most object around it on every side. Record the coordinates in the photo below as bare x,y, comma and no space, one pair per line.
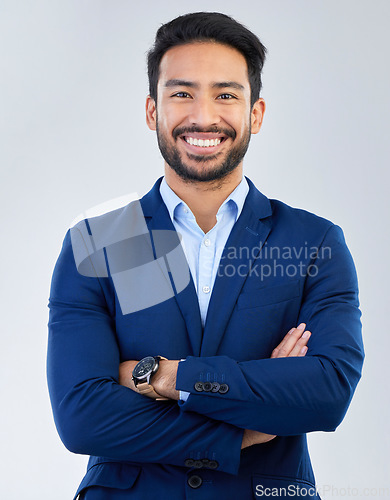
181,94
226,96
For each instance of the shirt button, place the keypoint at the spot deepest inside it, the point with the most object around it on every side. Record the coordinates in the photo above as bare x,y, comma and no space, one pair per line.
207,242
206,289
185,210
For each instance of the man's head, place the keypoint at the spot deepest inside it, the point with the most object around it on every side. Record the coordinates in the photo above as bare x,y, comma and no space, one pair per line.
208,26
204,78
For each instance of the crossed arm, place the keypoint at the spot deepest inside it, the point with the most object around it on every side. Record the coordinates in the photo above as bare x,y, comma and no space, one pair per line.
97,416
294,344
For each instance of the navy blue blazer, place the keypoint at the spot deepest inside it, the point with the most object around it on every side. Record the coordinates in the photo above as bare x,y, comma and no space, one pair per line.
280,266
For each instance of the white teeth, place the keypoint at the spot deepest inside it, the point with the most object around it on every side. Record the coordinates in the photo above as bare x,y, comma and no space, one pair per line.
204,143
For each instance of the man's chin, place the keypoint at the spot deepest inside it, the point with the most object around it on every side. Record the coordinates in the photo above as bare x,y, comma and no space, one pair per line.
203,158
197,174
192,167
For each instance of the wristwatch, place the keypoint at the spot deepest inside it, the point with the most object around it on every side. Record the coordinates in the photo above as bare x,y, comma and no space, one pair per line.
143,372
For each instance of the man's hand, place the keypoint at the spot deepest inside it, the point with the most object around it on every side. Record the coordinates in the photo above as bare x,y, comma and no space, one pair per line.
125,374
164,381
293,345
250,438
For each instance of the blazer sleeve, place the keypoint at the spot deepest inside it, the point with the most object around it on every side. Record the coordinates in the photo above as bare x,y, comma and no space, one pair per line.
95,415
288,396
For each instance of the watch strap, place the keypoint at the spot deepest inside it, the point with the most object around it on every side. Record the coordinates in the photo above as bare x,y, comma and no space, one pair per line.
148,390
161,357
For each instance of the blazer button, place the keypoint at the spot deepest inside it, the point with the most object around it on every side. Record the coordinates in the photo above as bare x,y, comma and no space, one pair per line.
194,481
223,388
207,386
199,386
215,387
189,462
198,464
213,464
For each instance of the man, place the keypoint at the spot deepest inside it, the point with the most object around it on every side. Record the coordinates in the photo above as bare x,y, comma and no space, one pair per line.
180,363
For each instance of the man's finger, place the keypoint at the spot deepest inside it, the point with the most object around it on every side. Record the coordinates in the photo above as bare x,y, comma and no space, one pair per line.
282,343
289,341
300,348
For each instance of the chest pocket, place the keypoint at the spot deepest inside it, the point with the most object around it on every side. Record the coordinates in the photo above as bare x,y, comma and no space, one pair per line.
260,297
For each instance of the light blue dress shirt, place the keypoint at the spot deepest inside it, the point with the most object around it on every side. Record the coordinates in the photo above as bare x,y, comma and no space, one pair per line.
203,251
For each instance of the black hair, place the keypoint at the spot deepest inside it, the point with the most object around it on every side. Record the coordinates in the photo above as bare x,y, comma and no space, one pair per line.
213,27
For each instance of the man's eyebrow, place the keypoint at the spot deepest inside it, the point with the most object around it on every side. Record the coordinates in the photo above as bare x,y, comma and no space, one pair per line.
180,83
176,82
223,85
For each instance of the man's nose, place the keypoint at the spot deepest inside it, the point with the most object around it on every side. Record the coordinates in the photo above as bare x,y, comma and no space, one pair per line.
204,112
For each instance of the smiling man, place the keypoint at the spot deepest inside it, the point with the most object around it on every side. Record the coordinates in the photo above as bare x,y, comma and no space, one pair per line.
204,116
201,380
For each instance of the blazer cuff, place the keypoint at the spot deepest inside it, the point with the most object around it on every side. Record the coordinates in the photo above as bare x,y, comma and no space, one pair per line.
207,376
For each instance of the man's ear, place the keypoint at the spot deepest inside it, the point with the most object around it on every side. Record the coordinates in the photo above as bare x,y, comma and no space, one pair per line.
257,115
151,113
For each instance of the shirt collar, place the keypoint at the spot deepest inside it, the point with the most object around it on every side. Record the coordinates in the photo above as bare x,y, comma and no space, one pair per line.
235,200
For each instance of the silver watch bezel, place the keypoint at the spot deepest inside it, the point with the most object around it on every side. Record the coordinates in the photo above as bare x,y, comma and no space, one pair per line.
145,377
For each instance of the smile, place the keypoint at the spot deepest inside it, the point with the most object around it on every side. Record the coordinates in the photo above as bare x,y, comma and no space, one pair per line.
203,143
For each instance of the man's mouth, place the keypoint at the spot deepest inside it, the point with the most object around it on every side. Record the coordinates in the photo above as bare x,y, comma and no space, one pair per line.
203,142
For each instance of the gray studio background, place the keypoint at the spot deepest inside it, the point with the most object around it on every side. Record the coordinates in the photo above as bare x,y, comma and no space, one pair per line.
73,135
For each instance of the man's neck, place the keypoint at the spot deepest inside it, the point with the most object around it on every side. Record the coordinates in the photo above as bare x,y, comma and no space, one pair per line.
204,198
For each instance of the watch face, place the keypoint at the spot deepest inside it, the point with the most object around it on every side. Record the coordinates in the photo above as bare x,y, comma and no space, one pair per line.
144,367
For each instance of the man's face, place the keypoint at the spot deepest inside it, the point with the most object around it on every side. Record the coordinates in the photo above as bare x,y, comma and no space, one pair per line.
203,117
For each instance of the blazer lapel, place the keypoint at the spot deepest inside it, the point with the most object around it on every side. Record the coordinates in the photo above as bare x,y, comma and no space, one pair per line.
159,222
242,248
